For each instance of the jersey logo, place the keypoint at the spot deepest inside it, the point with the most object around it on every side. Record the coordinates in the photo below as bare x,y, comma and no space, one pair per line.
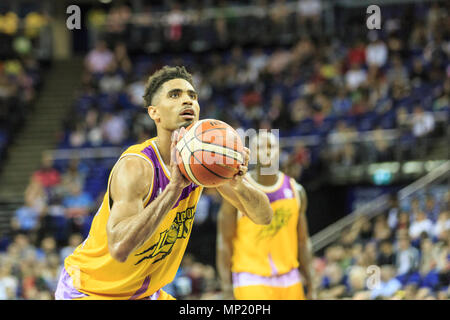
280,218
180,229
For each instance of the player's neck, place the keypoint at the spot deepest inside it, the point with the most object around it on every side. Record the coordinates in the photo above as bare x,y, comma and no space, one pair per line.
264,179
163,142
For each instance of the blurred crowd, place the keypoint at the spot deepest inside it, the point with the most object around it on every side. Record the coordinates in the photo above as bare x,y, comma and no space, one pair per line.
333,88
401,254
21,69
336,89
204,25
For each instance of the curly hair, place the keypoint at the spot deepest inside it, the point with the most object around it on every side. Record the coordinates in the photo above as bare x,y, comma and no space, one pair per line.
157,79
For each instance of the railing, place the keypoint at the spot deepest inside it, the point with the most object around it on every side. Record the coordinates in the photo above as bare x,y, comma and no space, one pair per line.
376,207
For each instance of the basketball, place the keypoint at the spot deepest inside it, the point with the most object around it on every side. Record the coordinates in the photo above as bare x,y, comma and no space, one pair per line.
209,153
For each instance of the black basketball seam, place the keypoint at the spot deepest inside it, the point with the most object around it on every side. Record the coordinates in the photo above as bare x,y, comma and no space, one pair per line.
185,144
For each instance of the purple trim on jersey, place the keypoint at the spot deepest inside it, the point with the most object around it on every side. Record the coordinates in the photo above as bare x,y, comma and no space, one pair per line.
65,289
161,181
280,193
242,279
154,296
142,289
272,265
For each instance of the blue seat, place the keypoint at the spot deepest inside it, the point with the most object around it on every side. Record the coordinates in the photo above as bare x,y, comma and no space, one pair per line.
305,127
327,125
387,122
367,121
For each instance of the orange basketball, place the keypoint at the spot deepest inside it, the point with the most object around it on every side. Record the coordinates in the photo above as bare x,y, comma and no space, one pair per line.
209,153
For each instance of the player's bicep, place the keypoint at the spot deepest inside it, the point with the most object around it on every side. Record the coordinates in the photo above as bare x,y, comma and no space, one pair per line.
130,183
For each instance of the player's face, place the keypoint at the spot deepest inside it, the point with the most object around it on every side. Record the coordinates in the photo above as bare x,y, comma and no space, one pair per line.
176,105
268,150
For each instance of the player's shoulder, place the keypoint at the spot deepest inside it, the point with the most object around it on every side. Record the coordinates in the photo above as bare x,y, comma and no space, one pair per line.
132,175
297,186
292,180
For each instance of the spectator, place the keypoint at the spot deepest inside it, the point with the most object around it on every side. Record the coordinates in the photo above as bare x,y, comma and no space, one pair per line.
393,212
8,283
398,72
47,175
98,59
35,194
431,208
442,226
47,248
175,20
420,225
376,52
357,283
75,240
407,259
77,138
386,255
112,81
355,77
136,90
78,205
309,12
114,128
388,285
72,175
26,218
423,122
419,75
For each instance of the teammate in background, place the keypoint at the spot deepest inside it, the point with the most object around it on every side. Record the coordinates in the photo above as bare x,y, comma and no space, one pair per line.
264,262
138,236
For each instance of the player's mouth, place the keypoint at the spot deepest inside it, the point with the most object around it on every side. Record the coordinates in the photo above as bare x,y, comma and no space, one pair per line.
188,114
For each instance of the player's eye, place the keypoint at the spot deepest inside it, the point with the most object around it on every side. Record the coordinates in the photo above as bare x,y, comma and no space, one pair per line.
174,94
193,96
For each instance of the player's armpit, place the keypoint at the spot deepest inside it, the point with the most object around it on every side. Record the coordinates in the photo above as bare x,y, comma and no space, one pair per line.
130,183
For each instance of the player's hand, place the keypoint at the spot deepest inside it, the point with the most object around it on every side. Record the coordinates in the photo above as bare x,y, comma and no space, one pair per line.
227,295
176,177
243,168
311,292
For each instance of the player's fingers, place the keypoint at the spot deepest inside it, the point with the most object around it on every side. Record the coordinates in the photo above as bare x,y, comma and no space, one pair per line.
175,136
245,155
181,133
242,170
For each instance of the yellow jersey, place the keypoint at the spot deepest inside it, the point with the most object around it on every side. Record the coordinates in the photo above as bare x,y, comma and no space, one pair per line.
151,266
269,250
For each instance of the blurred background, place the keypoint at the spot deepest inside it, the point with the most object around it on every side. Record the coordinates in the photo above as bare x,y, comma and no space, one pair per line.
363,119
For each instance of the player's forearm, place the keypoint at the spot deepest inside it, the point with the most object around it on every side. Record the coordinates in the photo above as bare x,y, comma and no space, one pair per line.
131,233
305,257
255,202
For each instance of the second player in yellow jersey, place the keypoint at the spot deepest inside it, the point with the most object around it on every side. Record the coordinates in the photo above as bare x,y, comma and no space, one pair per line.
266,262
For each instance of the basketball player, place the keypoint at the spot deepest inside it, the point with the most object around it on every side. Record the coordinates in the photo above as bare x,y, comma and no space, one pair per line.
264,262
138,236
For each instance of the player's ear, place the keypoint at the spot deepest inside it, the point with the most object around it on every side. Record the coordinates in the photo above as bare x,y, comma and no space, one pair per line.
153,113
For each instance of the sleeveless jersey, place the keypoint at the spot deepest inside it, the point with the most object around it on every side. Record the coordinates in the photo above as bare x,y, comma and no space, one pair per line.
151,266
267,250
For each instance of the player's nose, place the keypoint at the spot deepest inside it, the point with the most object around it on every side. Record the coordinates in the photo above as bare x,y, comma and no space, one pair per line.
187,101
